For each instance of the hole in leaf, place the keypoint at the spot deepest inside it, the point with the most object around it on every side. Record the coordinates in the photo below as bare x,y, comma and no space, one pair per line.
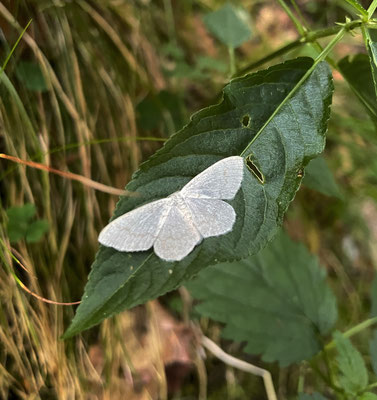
251,165
246,121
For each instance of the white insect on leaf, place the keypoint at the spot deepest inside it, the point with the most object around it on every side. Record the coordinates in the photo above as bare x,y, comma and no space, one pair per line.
176,224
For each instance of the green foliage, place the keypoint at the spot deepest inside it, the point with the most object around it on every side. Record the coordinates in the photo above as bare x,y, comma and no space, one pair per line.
358,7
36,230
368,396
284,146
229,24
276,301
354,67
163,110
21,226
373,351
202,69
371,39
318,176
208,64
354,375
373,295
314,396
30,75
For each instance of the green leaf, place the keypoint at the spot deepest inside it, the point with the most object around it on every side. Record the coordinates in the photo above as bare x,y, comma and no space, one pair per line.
161,110
294,136
354,68
314,396
358,7
16,233
23,213
372,8
368,396
373,351
229,24
211,64
373,296
18,221
371,39
174,51
354,374
318,176
30,74
277,301
36,230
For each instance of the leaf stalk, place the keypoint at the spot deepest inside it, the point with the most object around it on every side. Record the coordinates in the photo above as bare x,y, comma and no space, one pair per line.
308,37
319,59
372,8
353,331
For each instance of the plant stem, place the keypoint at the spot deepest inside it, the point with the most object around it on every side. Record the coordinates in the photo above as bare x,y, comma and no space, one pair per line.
279,52
70,175
232,61
353,331
372,8
329,368
309,37
170,21
371,386
357,7
320,58
301,29
325,379
300,16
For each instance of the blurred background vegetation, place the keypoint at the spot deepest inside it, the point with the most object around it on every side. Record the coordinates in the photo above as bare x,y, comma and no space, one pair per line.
93,88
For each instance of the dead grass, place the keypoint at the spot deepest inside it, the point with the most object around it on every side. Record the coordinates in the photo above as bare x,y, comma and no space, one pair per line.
99,60
93,74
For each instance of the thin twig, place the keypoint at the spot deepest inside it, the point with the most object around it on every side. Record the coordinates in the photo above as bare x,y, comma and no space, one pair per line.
71,175
242,365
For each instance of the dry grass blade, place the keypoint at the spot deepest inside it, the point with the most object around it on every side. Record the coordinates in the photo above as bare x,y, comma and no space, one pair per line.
113,35
12,253
70,175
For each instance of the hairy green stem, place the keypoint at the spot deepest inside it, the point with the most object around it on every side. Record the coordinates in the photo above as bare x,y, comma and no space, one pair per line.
371,386
353,331
309,37
232,61
319,59
300,15
358,8
372,8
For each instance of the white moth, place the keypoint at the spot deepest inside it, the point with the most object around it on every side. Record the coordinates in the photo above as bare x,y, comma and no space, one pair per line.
176,224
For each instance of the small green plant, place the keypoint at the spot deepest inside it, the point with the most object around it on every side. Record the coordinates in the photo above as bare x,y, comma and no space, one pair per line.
22,224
